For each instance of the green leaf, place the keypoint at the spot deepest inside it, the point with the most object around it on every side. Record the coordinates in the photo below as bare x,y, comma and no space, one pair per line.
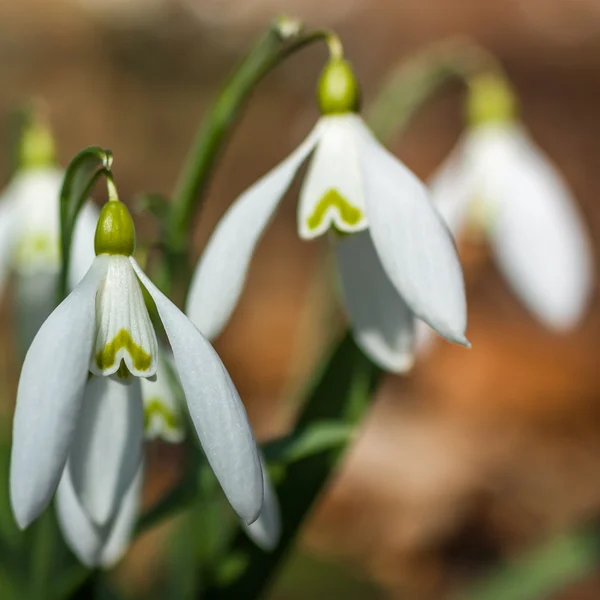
542,571
80,177
317,438
347,380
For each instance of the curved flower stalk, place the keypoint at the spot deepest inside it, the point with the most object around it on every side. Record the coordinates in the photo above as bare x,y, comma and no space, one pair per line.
497,183
103,328
29,232
395,257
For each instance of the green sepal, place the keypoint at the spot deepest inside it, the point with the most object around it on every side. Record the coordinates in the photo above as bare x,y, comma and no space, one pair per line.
80,177
338,91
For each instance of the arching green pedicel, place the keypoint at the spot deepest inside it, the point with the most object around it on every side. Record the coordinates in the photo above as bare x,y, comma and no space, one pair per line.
349,214
338,91
155,406
115,232
106,358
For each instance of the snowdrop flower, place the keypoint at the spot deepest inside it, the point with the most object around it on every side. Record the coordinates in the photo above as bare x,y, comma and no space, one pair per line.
62,415
394,255
29,232
499,183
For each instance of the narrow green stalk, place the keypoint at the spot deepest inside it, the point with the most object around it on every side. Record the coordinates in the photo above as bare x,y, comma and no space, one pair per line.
283,38
417,78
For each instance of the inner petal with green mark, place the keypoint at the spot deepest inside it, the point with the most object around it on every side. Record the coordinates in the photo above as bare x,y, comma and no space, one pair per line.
37,250
125,338
335,210
161,421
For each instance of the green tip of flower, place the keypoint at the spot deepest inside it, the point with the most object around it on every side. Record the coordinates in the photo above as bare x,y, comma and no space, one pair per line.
338,91
37,148
491,100
115,232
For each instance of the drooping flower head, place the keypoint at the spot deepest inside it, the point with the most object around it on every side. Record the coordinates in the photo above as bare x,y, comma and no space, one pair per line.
29,231
499,185
79,402
395,257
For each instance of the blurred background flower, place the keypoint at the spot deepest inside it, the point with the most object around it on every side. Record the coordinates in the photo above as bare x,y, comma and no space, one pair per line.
475,457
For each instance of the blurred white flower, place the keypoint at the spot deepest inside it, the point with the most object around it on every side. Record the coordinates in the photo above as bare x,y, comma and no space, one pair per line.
499,183
103,327
395,256
29,243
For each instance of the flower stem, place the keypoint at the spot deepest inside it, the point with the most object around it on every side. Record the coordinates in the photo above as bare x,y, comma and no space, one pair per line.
283,38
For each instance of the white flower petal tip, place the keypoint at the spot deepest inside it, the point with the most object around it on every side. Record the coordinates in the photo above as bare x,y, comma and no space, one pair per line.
381,322
125,332
332,195
265,532
107,447
215,408
97,546
221,271
414,245
49,398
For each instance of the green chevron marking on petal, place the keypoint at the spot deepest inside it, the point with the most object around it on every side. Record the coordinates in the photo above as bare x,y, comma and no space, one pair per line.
106,358
349,214
156,407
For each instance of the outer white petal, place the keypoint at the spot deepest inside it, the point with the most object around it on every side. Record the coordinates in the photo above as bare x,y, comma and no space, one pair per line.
121,529
333,177
107,447
539,238
415,247
215,407
221,271
36,192
94,545
162,413
266,530
49,398
452,187
82,247
8,225
33,302
383,325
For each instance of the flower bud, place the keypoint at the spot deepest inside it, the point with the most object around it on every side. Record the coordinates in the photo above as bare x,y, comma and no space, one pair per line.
115,232
338,91
491,100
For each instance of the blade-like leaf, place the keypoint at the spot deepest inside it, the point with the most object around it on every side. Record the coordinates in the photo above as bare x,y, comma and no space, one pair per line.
80,177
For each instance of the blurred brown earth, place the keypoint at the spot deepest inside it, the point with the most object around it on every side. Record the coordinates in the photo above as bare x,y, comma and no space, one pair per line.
478,453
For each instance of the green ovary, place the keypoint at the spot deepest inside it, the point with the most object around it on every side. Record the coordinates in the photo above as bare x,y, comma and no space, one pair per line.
106,358
155,407
348,214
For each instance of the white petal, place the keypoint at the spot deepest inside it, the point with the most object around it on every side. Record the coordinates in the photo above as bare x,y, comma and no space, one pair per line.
215,407
382,324
36,192
221,271
125,331
107,447
332,193
451,188
415,247
266,530
49,398
162,413
539,238
82,246
122,527
34,300
7,234
94,545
